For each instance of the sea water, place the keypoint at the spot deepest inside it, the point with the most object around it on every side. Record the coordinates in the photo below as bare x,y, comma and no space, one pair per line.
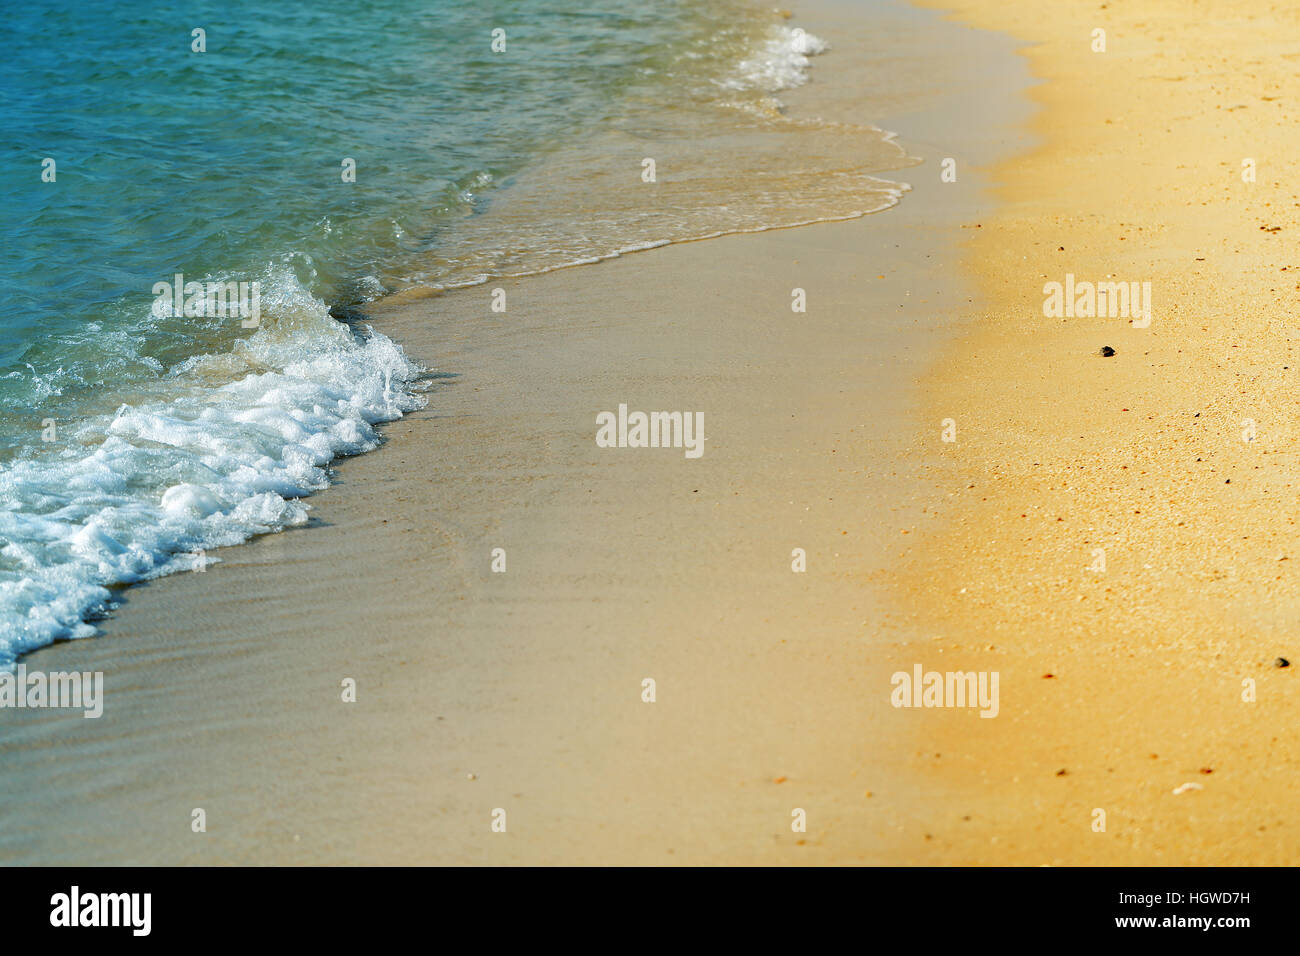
329,154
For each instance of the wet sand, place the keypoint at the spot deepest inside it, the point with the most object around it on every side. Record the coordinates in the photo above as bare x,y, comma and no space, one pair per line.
523,690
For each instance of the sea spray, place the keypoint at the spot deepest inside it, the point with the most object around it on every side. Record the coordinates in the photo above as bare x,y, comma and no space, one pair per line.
131,496
141,425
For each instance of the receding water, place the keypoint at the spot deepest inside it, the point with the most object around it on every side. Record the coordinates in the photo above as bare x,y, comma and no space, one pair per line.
131,438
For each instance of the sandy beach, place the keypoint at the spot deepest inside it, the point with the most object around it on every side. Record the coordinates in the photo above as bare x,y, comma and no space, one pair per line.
1107,534
1171,457
523,691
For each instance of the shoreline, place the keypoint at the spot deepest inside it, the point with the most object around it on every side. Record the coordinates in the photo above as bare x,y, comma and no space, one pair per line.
523,690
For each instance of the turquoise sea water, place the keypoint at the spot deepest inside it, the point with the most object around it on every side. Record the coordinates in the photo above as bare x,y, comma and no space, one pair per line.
132,439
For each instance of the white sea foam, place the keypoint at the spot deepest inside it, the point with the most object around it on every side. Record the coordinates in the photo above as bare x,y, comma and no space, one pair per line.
128,497
224,447
779,63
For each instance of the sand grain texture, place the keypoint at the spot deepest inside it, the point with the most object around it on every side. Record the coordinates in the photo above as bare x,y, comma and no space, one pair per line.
1138,176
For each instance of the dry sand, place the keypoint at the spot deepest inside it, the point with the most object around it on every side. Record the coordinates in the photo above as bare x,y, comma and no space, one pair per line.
1118,687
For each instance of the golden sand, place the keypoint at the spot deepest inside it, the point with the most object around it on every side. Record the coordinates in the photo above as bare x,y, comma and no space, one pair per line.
1171,461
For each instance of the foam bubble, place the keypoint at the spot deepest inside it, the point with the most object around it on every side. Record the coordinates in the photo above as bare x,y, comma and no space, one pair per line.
780,61
132,495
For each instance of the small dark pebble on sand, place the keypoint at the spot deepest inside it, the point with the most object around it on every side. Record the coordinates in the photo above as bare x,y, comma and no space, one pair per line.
1281,662
1107,351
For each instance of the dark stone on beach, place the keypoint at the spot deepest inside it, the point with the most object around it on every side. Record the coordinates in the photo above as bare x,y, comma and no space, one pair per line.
1281,662
1107,351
